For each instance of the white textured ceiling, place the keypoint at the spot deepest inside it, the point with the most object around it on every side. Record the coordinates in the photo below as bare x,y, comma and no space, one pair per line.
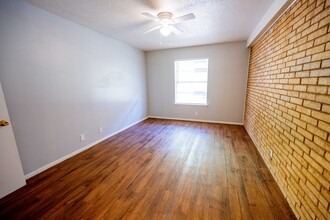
216,21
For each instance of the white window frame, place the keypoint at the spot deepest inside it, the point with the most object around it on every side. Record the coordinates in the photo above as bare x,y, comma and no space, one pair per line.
207,82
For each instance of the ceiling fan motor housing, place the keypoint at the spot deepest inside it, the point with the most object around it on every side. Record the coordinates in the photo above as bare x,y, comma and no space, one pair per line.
165,18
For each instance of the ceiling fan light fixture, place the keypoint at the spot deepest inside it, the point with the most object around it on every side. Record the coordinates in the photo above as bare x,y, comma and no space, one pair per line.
166,21
165,30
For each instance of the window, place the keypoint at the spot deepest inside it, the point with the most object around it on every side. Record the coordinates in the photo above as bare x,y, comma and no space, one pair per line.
191,81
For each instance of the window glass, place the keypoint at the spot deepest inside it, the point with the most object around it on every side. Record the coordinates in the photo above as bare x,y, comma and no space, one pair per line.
191,81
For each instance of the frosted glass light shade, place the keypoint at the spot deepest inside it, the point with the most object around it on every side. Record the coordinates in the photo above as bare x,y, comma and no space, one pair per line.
165,30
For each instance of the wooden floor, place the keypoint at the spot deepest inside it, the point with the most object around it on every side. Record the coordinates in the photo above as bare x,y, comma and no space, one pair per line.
158,169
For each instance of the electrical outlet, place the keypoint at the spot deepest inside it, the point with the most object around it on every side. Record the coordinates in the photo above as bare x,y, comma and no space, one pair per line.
82,137
196,113
271,153
100,130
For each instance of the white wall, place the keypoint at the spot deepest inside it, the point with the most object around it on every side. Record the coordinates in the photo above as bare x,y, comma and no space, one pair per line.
61,80
226,82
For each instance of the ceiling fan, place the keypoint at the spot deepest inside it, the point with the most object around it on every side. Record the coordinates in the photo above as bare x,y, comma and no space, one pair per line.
167,23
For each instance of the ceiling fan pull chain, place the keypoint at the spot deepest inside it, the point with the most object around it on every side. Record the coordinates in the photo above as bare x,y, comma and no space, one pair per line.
171,39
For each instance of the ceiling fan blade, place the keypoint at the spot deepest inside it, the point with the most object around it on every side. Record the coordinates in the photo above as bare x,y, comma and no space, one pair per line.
175,30
153,29
183,18
147,14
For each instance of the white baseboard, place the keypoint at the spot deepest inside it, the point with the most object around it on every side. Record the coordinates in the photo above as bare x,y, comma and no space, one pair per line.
186,119
41,169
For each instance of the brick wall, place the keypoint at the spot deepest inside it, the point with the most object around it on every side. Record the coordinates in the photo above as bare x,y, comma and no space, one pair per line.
288,105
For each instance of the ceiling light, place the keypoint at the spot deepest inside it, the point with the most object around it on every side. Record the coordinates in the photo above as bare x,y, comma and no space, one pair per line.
165,30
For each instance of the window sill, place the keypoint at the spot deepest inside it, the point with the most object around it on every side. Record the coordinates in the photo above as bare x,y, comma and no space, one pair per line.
205,105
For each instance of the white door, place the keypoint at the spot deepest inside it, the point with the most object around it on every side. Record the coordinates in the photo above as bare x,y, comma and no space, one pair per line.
11,172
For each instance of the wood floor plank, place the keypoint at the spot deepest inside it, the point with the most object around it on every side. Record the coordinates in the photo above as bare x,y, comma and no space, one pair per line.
157,169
